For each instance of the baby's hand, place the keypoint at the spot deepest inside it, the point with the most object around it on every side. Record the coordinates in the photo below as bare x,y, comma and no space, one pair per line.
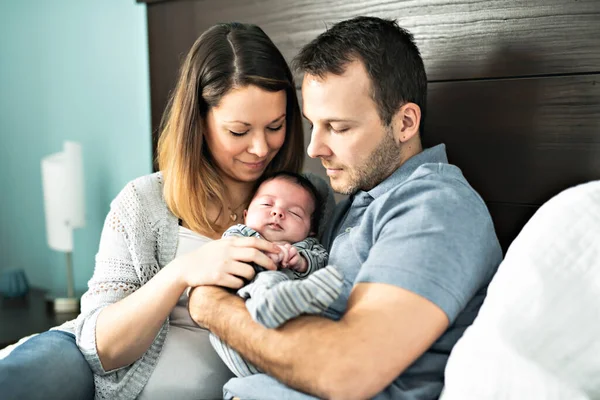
276,257
292,259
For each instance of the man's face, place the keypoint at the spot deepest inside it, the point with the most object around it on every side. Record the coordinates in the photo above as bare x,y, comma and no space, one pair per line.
355,148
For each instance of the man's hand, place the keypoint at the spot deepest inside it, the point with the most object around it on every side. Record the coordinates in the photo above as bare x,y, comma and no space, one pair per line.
204,301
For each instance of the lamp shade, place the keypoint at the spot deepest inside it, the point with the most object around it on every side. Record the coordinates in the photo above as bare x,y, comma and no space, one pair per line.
64,206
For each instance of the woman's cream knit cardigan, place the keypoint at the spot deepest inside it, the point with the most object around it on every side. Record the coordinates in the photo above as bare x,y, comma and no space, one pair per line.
139,237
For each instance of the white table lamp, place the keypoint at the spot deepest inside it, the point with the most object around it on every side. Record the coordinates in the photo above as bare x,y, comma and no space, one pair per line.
64,207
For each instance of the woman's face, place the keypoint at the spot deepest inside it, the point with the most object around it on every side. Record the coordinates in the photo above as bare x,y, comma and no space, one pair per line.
245,132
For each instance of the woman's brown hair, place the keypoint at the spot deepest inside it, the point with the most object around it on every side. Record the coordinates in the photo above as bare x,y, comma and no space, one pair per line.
225,57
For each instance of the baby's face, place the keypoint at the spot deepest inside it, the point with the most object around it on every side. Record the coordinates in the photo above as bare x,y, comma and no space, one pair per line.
281,211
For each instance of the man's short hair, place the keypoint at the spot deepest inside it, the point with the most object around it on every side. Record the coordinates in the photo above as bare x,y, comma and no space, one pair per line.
388,52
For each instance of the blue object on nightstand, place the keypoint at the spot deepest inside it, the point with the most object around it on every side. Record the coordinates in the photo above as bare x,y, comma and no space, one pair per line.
13,283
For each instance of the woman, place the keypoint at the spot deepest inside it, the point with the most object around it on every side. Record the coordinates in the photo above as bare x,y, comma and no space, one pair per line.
233,117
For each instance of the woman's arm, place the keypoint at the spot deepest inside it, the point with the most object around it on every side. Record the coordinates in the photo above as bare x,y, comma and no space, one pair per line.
129,297
127,328
123,311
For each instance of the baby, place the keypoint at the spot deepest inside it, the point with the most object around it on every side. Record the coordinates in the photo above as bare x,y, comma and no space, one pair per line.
284,210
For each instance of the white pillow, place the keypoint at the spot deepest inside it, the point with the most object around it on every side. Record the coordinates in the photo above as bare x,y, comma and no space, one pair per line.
537,335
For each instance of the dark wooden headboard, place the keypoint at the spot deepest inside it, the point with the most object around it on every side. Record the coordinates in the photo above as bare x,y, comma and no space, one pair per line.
514,85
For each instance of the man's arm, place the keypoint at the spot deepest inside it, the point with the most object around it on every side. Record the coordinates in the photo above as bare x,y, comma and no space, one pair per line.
384,330
419,273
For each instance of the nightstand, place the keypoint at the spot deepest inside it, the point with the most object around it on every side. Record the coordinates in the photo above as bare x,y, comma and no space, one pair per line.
27,315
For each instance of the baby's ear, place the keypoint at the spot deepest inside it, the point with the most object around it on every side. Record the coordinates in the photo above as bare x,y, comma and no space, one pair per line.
245,213
312,234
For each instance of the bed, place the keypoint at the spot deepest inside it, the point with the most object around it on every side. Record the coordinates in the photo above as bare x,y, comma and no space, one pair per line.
514,93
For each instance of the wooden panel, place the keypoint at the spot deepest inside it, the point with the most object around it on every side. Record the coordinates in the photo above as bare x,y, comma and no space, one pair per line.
509,219
172,30
519,140
458,39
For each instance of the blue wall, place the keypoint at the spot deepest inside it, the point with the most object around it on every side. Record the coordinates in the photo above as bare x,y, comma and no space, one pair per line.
69,70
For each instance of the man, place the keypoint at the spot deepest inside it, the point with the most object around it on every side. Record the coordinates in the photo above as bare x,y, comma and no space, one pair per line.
414,241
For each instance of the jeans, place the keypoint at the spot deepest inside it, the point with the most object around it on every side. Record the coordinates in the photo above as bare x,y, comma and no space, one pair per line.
47,366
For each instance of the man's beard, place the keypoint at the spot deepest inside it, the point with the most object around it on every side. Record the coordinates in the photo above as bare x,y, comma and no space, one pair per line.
380,164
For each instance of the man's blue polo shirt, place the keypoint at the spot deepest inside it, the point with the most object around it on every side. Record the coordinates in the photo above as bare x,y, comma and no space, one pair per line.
424,229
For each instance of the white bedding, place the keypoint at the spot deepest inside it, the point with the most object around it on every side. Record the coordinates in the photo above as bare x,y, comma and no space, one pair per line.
537,335
8,349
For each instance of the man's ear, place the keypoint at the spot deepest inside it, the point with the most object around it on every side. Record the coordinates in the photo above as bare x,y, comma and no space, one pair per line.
406,122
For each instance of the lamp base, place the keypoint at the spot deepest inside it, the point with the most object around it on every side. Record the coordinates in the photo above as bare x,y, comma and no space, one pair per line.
62,304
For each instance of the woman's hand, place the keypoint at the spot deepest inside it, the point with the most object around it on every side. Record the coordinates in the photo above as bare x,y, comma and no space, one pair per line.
224,262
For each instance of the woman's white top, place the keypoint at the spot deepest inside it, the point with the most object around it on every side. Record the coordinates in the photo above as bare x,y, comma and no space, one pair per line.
188,367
